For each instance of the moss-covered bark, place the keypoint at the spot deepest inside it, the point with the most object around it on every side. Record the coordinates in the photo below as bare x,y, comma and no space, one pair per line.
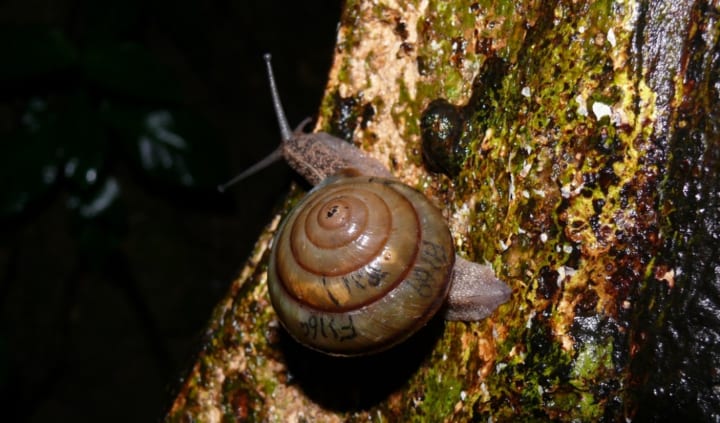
588,175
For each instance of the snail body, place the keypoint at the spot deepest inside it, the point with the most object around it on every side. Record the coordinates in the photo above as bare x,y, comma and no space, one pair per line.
364,261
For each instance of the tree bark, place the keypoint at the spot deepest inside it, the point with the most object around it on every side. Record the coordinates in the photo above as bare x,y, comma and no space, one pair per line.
584,169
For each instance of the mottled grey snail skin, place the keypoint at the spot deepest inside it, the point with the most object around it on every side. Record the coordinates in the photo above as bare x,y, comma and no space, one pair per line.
364,261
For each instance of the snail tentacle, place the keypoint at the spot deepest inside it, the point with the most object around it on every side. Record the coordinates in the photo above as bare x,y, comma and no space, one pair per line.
285,131
271,158
475,292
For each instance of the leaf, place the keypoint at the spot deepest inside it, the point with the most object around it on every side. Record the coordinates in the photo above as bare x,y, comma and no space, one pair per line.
81,141
28,160
173,146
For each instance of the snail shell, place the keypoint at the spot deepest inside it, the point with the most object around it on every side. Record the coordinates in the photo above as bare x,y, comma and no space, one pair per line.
359,265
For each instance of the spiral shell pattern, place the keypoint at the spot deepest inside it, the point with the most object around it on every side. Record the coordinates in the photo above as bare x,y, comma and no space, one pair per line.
360,264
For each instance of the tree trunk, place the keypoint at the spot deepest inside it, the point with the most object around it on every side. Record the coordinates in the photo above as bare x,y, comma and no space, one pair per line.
583,164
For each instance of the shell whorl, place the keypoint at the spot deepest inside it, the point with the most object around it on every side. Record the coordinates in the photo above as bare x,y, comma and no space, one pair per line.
359,265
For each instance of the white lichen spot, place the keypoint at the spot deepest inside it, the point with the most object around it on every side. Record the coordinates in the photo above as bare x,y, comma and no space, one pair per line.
528,323
600,110
460,219
543,237
561,276
581,29
503,245
565,191
525,194
499,367
463,395
611,37
525,169
564,272
512,187
669,277
567,248
525,91
539,193
582,105
483,388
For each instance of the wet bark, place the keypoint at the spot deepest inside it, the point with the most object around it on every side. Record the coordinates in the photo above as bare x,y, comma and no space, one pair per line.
581,160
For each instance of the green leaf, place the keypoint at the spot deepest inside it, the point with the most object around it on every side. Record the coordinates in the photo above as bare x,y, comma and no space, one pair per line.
28,160
81,140
173,146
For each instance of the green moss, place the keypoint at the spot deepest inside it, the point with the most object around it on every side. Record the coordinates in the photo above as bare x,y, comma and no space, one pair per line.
547,135
591,360
441,393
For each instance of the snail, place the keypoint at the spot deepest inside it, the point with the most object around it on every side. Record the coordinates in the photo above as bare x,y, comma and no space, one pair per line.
363,261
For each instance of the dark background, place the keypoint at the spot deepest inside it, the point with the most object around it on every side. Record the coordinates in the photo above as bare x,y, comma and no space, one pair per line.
117,120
